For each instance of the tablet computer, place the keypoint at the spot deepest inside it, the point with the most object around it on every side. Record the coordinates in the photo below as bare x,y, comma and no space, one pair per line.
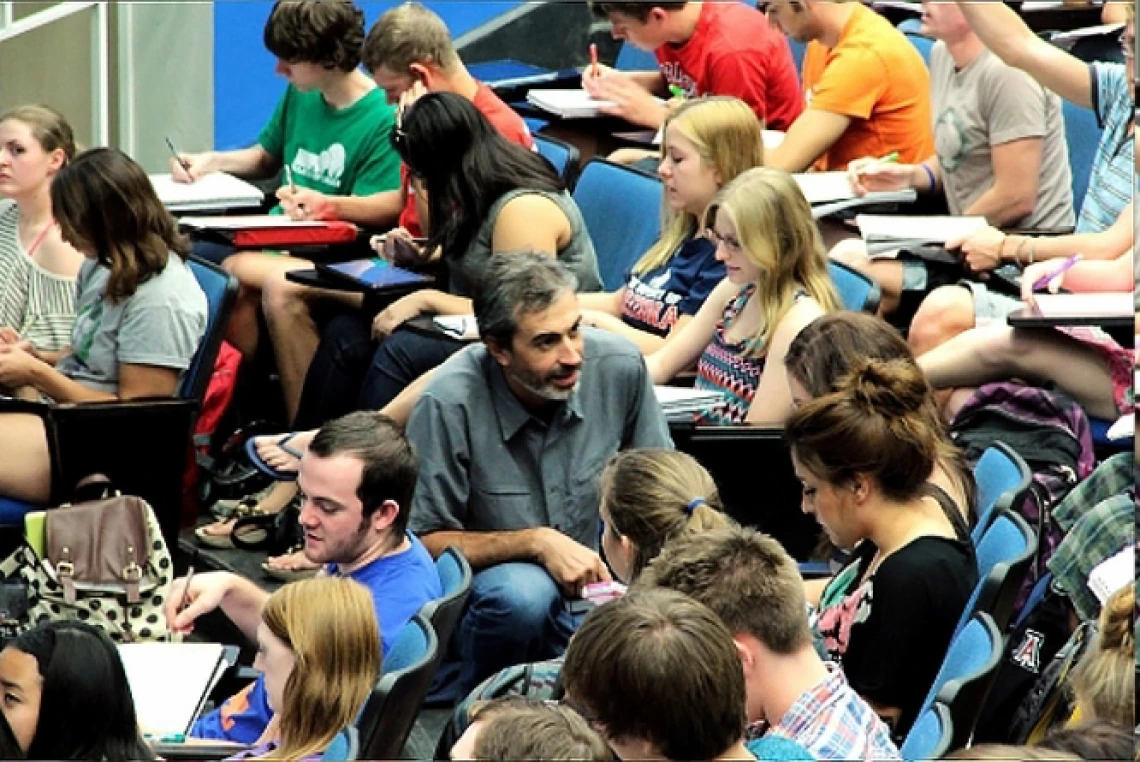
376,274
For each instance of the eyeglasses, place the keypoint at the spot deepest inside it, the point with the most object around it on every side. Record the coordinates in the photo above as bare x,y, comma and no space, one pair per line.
728,242
1128,46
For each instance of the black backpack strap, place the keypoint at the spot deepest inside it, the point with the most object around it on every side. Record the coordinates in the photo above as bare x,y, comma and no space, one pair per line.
950,509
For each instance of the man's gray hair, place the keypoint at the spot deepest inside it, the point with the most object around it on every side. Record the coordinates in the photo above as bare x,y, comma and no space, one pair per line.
515,284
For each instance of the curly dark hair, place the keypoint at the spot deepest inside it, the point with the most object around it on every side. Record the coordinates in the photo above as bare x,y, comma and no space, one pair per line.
329,33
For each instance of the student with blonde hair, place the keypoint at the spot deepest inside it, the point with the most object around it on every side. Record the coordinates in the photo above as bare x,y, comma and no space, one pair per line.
318,645
777,282
648,498
707,144
37,267
1104,681
865,454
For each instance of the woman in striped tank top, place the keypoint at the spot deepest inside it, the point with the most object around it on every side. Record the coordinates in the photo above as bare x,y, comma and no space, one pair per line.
37,268
777,282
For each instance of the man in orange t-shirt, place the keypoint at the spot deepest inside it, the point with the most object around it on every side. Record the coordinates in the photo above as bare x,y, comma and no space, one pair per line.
866,88
408,50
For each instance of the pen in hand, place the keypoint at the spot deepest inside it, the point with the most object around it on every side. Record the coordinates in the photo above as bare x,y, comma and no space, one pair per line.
593,60
1046,279
178,157
293,186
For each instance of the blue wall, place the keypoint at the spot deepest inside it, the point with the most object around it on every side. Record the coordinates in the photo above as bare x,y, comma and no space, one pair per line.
245,87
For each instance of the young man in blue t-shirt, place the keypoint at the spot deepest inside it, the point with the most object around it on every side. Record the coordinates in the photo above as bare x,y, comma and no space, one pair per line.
357,478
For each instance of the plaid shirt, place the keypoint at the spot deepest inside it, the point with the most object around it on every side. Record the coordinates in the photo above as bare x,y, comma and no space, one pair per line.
1097,518
833,722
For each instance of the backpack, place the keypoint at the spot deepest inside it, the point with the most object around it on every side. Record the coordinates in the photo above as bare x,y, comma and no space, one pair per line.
540,680
1051,432
1026,681
215,403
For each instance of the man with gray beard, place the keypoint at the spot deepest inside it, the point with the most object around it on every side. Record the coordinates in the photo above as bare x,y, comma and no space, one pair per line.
512,435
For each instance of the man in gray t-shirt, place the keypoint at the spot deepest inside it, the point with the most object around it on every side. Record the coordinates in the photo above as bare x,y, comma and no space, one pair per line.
1000,153
512,435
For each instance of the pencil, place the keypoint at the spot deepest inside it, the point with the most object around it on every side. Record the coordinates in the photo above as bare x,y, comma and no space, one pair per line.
177,156
594,60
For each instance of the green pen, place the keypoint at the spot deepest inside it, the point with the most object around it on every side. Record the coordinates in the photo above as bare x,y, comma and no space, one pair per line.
677,92
891,158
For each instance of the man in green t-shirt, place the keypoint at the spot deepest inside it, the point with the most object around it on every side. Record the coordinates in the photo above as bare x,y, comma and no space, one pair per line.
331,130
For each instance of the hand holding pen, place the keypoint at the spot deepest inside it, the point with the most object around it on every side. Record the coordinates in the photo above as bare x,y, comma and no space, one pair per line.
1047,275
184,167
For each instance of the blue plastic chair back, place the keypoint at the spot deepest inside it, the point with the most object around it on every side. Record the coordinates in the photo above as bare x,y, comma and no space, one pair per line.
1082,134
1001,474
344,748
563,156
411,647
857,292
966,674
1003,556
622,210
923,44
912,25
220,289
930,735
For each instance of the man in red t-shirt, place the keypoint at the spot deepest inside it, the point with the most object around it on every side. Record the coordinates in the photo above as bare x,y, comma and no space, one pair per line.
712,48
408,50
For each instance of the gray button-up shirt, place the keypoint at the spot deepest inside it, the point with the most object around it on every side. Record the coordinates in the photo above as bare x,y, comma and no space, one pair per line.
487,464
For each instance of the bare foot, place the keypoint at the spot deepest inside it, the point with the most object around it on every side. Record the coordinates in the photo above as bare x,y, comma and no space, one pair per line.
283,452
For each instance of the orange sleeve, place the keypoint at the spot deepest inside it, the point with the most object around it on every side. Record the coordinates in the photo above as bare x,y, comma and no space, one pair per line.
852,84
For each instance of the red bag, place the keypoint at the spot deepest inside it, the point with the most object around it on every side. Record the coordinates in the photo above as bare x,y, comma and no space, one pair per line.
219,395
326,234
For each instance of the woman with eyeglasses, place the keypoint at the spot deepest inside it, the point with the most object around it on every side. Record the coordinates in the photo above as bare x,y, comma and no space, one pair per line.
777,283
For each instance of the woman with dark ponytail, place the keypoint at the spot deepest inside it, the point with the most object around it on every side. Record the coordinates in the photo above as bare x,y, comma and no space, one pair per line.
864,454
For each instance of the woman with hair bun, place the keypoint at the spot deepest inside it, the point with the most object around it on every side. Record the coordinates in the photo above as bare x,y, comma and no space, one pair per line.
648,498
864,454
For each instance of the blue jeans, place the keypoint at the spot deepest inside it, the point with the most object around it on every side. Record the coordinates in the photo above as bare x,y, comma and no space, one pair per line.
516,614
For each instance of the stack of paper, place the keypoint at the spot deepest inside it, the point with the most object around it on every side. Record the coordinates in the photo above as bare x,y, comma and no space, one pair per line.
170,682
216,190
885,234
568,104
831,192
680,403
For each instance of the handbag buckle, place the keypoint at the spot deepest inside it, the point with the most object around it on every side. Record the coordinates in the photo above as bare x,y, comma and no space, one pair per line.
132,572
65,569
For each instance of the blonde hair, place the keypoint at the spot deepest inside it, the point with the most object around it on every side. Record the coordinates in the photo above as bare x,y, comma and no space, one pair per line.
778,234
1104,682
997,751
330,625
652,496
729,139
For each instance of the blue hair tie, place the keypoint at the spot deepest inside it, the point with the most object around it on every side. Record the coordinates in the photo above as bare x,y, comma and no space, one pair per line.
692,506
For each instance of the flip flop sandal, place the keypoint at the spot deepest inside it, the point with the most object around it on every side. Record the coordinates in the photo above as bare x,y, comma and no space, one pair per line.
227,509
247,508
265,468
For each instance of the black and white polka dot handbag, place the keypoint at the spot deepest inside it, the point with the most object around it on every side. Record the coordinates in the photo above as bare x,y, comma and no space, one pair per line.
100,561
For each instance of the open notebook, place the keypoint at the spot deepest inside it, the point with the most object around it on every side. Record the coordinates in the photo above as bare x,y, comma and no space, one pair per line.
216,190
171,681
885,234
831,192
568,104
